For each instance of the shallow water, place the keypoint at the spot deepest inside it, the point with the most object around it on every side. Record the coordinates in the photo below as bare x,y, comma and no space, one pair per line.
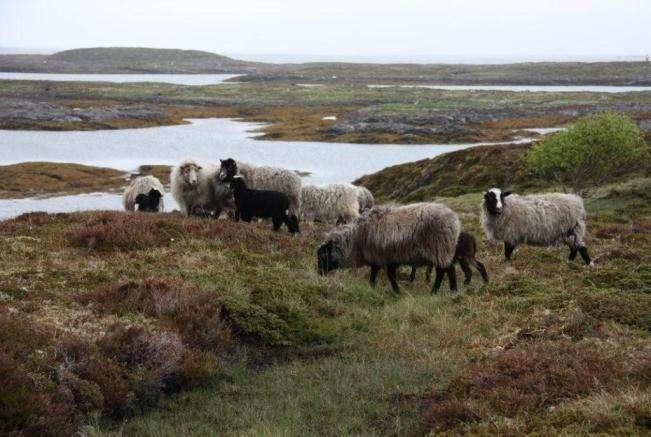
206,140
529,88
179,79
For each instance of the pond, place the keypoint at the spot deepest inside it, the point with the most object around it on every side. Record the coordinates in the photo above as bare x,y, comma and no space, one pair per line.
179,79
206,140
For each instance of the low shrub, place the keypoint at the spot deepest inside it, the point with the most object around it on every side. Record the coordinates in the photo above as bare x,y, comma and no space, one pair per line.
528,378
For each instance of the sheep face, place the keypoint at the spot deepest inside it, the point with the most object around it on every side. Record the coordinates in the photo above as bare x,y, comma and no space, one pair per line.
190,174
494,200
148,202
329,257
228,169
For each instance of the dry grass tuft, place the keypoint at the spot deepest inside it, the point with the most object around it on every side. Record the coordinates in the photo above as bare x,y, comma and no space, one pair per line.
528,378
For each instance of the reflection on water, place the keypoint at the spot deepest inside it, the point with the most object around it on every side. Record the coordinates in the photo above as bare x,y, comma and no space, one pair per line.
179,79
207,140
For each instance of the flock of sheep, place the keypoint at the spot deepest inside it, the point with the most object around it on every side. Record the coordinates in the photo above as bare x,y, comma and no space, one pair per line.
385,236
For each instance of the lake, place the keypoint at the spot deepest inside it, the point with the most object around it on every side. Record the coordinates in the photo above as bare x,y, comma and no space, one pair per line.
203,139
179,79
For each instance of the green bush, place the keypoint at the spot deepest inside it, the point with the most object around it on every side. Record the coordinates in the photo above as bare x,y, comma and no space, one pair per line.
594,150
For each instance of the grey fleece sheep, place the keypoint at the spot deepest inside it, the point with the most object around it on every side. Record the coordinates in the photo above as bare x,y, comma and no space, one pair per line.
388,236
331,203
194,187
265,178
146,192
538,220
365,198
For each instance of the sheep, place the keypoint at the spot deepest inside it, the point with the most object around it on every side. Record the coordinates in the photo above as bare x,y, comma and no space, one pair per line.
266,178
145,193
388,236
538,220
262,203
365,198
195,189
332,203
465,255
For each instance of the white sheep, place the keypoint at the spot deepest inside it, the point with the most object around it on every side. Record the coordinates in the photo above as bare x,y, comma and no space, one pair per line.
265,178
389,236
333,203
194,187
538,220
365,198
145,193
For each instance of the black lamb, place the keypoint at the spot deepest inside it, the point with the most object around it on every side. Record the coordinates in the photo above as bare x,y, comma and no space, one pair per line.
263,204
465,256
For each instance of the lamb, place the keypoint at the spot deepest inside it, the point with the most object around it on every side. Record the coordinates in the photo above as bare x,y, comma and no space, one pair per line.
465,255
195,188
538,220
262,203
266,178
388,236
145,193
332,203
365,198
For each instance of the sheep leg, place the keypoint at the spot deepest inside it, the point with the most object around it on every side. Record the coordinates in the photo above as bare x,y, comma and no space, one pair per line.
482,270
277,221
583,251
452,276
412,275
428,272
438,280
573,251
508,250
391,272
374,271
466,270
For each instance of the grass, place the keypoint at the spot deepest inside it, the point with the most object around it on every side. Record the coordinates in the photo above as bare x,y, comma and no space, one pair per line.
164,325
29,179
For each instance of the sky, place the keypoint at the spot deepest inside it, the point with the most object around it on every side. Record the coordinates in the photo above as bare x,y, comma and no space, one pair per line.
337,28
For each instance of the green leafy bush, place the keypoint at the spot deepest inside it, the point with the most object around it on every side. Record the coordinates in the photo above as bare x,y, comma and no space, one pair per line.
594,150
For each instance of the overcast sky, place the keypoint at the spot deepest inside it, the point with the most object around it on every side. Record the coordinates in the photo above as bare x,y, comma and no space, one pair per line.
516,28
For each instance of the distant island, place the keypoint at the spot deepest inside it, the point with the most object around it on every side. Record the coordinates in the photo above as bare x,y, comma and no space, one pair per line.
108,60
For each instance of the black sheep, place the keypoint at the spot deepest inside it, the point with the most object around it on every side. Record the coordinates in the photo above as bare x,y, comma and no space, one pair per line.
148,202
263,204
465,256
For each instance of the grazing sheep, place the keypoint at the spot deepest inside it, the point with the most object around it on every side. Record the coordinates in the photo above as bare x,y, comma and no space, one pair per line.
266,178
388,236
336,203
195,189
145,193
262,203
537,220
464,255
365,198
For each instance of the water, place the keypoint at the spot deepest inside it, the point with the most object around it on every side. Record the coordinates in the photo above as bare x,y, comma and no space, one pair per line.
178,79
204,139
528,88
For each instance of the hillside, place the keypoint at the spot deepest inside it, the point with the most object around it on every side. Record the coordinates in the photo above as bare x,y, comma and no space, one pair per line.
126,60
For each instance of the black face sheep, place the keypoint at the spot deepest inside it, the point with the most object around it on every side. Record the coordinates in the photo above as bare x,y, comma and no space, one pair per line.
465,255
262,203
335,203
389,236
538,220
266,178
145,193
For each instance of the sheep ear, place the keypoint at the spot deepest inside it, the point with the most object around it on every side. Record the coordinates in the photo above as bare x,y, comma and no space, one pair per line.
506,193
